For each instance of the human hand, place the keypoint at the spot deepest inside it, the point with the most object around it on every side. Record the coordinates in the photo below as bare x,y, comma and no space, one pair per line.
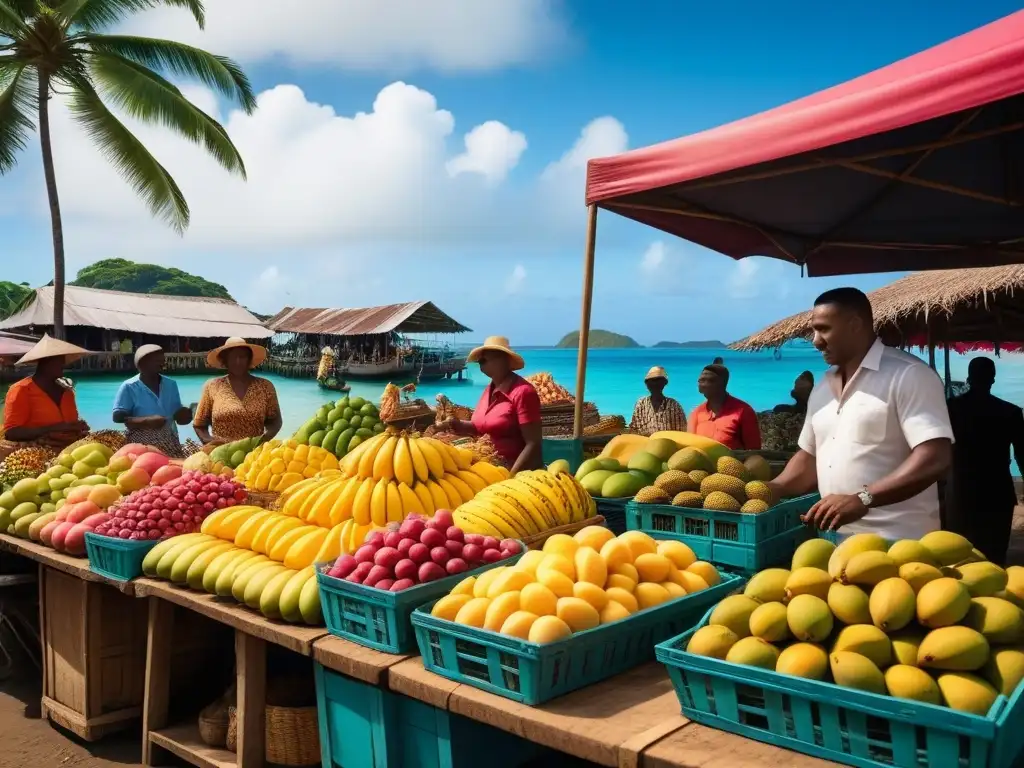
447,425
835,511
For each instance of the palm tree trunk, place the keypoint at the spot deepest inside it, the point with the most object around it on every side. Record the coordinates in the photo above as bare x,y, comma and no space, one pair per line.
51,193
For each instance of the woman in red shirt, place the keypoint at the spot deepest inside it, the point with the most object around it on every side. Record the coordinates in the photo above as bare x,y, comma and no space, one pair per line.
509,409
723,417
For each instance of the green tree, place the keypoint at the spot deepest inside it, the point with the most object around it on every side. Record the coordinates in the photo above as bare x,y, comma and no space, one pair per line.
59,47
124,275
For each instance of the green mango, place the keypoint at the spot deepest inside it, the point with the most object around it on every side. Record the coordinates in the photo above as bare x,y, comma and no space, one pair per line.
334,415
369,422
317,437
355,441
364,433
368,410
379,427
348,413
322,414
355,403
330,440
342,403
341,446
341,425
356,421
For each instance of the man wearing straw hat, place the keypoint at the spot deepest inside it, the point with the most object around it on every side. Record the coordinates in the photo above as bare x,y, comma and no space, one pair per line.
41,408
657,413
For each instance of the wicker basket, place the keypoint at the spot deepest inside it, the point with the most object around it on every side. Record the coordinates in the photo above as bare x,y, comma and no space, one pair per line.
410,411
265,499
537,540
213,724
292,735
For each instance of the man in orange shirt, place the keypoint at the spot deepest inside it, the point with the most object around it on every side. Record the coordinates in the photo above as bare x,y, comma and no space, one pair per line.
723,417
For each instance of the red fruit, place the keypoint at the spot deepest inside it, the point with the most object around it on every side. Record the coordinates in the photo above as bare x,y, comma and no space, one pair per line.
176,516
213,497
354,577
474,538
444,518
473,553
241,494
179,527
165,494
365,554
419,553
189,498
153,534
492,555
385,584
362,569
184,506
154,515
456,565
227,489
401,584
179,491
454,548
137,535
186,518
511,546
145,507
375,538
222,503
387,557
454,533
377,573
230,502
128,525
344,565
430,572
124,534
163,524
202,497
489,542
392,539
440,555
412,528
432,537
406,569
208,506
404,544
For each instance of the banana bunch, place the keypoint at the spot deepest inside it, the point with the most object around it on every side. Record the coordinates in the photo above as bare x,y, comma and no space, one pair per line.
527,504
387,478
278,536
279,465
205,562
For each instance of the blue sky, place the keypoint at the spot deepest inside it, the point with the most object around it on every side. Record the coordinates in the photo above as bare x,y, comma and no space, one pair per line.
406,150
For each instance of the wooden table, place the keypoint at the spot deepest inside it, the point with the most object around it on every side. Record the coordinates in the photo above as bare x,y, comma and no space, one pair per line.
51,558
356,661
252,633
697,746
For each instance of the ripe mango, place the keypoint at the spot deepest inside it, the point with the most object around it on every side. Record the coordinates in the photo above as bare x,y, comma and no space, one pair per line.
554,580
1004,669
558,564
803,660
906,682
538,600
734,612
859,542
712,640
548,629
851,670
483,581
813,553
942,603
691,582
910,551
464,587
1015,584
593,594
509,580
947,548
808,581
867,640
982,579
768,586
652,567
905,645
639,543
682,556
753,652
919,574
649,595
768,622
849,603
613,611
519,624
1000,621
530,560
869,568
501,607
473,613
892,604
956,649
623,598
809,618
620,581
590,567
577,613
705,571
966,692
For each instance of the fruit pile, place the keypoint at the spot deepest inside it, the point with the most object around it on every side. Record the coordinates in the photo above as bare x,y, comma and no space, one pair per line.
576,583
550,391
418,551
277,466
282,538
82,510
160,511
525,505
233,454
339,427
25,462
205,562
928,620
111,438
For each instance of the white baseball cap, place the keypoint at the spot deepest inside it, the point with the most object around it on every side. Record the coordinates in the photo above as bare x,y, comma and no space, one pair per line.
146,349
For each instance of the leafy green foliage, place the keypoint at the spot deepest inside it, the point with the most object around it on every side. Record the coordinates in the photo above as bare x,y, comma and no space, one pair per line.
124,275
11,297
598,340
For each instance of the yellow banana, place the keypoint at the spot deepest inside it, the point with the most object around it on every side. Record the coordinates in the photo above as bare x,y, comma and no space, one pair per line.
438,495
465,492
419,463
320,514
222,562
295,496
454,498
226,580
525,520
346,534
445,452
229,528
303,552
197,570
472,523
404,472
342,509
555,497
212,522
305,512
432,456
384,462
474,481
426,500
350,464
534,499
281,546
463,458
545,480
288,604
395,512
487,472
249,528
525,510
410,501
361,504
369,458
359,535
378,503
585,505
331,547
271,530
510,526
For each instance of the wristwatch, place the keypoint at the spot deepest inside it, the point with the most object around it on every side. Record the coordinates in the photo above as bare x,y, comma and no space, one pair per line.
865,497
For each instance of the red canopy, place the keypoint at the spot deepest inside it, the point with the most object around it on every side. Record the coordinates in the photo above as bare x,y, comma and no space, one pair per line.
15,345
918,165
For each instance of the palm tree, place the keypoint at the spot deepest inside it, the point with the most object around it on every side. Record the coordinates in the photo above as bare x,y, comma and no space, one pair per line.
58,47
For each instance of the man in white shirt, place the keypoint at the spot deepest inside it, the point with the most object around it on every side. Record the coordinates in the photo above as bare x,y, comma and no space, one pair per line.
877,435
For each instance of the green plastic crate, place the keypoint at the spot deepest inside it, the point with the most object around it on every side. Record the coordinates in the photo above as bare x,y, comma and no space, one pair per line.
532,673
369,727
553,449
614,513
377,618
119,559
840,724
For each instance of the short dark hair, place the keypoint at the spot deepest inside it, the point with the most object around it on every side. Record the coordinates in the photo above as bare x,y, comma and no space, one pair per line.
983,368
720,371
852,299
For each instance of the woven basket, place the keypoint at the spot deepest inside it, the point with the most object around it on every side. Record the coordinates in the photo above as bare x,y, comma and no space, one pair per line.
231,740
414,409
213,727
537,540
292,735
265,499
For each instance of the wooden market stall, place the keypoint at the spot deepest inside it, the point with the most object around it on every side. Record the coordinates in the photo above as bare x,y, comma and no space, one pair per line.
912,167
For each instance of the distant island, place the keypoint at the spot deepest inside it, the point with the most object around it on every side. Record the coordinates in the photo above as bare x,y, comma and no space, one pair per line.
713,344
598,340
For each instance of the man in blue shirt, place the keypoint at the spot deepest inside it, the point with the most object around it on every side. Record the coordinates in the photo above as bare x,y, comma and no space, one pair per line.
149,404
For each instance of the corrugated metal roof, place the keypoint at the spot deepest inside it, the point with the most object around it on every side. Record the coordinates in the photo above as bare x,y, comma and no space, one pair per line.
187,316
15,345
413,317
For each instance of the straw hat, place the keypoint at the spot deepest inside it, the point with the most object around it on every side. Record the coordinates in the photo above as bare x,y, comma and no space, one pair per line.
50,347
145,350
497,344
657,372
259,354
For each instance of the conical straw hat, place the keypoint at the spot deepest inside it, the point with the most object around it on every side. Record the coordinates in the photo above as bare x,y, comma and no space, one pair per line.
50,347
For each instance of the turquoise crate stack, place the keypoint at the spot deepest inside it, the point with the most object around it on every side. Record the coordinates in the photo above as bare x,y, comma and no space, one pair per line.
743,541
840,724
378,618
532,673
119,559
614,513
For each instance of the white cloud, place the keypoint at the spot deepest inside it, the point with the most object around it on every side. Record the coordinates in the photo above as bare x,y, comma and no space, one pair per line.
492,150
653,258
599,138
390,35
516,280
749,278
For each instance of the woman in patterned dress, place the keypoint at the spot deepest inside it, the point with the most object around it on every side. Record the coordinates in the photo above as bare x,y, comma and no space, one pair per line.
238,405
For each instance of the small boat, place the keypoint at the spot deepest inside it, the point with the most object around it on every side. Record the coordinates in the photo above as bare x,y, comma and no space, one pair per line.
334,384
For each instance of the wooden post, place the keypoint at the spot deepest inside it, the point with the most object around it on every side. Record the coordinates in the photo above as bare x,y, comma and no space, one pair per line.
588,296
156,703
251,661
931,347
949,376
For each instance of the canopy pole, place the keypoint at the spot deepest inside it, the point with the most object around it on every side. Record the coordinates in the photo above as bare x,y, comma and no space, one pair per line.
949,376
931,347
588,296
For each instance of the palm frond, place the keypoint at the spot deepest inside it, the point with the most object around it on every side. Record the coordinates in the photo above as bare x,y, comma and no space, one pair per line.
12,19
166,56
129,156
16,101
145,95
97,14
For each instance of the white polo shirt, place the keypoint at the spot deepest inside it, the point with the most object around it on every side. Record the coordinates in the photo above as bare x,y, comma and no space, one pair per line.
892,404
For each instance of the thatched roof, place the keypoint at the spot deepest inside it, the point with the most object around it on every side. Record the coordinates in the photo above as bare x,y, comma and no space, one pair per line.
960,305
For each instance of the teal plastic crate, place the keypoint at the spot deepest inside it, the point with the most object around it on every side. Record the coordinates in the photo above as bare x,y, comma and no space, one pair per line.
377,618
614,513
369,727
119,559
840,724
532,673
553,449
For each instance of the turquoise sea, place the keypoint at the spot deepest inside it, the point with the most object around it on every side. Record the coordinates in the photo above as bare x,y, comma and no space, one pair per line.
614,380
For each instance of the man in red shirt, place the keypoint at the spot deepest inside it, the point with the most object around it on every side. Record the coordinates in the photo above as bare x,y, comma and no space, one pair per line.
723,417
